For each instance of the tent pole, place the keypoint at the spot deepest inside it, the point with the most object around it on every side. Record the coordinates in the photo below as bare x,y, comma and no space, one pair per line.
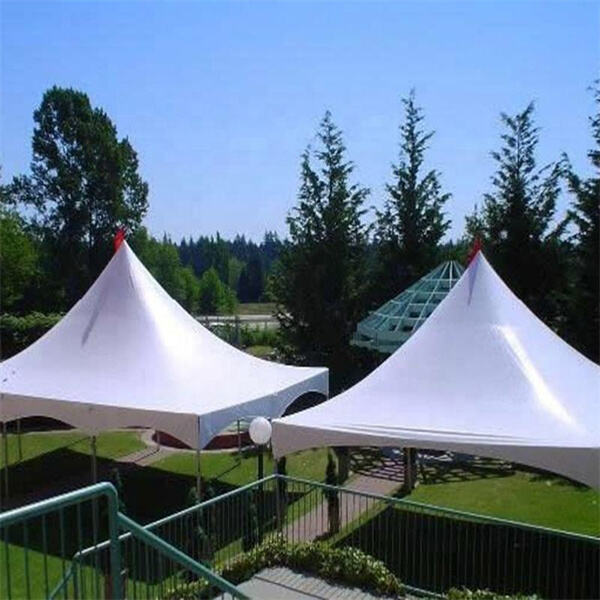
94,460
19,443
198,477
5,446
198,473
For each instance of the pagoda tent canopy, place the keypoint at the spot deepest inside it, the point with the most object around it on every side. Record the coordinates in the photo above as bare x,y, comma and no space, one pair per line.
128,354
483,376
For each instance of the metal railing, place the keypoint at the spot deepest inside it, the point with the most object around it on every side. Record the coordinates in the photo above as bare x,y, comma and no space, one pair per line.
69,547
426,547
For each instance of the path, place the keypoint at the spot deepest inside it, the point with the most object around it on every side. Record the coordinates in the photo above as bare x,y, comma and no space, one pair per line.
314,523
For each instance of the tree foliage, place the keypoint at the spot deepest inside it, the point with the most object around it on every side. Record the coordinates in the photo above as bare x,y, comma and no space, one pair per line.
583,329
84,185
516,224
319,282
18,261
411,226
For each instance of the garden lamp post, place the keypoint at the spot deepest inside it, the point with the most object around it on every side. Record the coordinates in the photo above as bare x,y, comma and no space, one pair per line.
260,434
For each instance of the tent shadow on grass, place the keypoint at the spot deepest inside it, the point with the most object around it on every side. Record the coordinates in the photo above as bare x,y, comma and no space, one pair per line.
373,462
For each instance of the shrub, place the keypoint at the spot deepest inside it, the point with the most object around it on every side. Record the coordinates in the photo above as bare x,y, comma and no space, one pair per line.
252,533
341,565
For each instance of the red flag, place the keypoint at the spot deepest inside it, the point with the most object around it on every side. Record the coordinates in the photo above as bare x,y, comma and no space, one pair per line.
119,238
474,250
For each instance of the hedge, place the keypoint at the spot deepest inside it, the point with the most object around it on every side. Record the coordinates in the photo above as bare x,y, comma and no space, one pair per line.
348,566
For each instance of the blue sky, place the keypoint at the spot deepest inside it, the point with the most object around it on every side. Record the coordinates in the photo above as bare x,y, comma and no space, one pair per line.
220,98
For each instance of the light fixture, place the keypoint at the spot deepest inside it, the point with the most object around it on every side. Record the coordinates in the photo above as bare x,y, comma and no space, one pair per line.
260,431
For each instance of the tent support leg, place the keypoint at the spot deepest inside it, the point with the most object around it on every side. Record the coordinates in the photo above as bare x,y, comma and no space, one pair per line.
19,443
5,447
198,477
94,460
409,480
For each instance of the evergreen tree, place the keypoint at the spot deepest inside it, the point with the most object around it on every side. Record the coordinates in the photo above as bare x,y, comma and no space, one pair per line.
251,535
318,284
583,321
516,222
412,223
251,283
332,496
84,185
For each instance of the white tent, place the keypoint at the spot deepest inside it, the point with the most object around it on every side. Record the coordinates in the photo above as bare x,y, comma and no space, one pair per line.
127,354
483,376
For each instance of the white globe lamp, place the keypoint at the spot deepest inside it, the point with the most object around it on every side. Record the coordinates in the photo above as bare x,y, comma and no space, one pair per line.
260,431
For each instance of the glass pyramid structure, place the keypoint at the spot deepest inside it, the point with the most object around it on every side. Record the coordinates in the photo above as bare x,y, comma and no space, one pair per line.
388,327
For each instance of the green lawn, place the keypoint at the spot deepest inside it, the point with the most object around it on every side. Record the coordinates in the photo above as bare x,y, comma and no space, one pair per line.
109,444
228,468
256,308
527,497
260,351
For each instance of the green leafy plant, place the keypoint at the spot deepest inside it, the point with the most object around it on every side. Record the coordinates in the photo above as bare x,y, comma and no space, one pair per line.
348,566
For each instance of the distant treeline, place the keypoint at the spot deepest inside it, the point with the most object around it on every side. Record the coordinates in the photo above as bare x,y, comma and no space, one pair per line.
241,264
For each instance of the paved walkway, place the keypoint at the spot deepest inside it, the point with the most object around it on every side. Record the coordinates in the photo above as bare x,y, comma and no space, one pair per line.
314,524
281,583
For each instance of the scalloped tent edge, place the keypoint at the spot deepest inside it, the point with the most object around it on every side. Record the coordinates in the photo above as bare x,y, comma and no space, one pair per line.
483,376
127,354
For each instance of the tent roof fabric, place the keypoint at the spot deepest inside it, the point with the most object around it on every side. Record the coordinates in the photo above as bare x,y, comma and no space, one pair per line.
483,376
128,354
389,326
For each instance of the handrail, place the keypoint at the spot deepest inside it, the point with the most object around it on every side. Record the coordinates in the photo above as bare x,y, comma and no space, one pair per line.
176,555
90,492
388,499
36,509
182,513
441,509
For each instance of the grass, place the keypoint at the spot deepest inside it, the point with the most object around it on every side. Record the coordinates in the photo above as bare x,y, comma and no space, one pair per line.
109,444
231,469
530,498
256,308
260,351
546,501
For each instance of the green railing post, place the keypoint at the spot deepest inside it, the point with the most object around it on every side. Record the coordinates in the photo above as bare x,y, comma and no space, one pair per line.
115,547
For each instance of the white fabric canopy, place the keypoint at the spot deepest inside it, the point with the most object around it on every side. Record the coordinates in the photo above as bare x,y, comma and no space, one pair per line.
484,376
128,354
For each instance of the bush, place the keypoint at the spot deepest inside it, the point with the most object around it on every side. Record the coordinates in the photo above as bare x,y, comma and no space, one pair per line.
348,566
258,336
17,333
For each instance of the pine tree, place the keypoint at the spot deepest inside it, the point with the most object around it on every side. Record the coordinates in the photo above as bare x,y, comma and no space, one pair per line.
516,222
412,223
333,501
583,328
319,281
251,535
